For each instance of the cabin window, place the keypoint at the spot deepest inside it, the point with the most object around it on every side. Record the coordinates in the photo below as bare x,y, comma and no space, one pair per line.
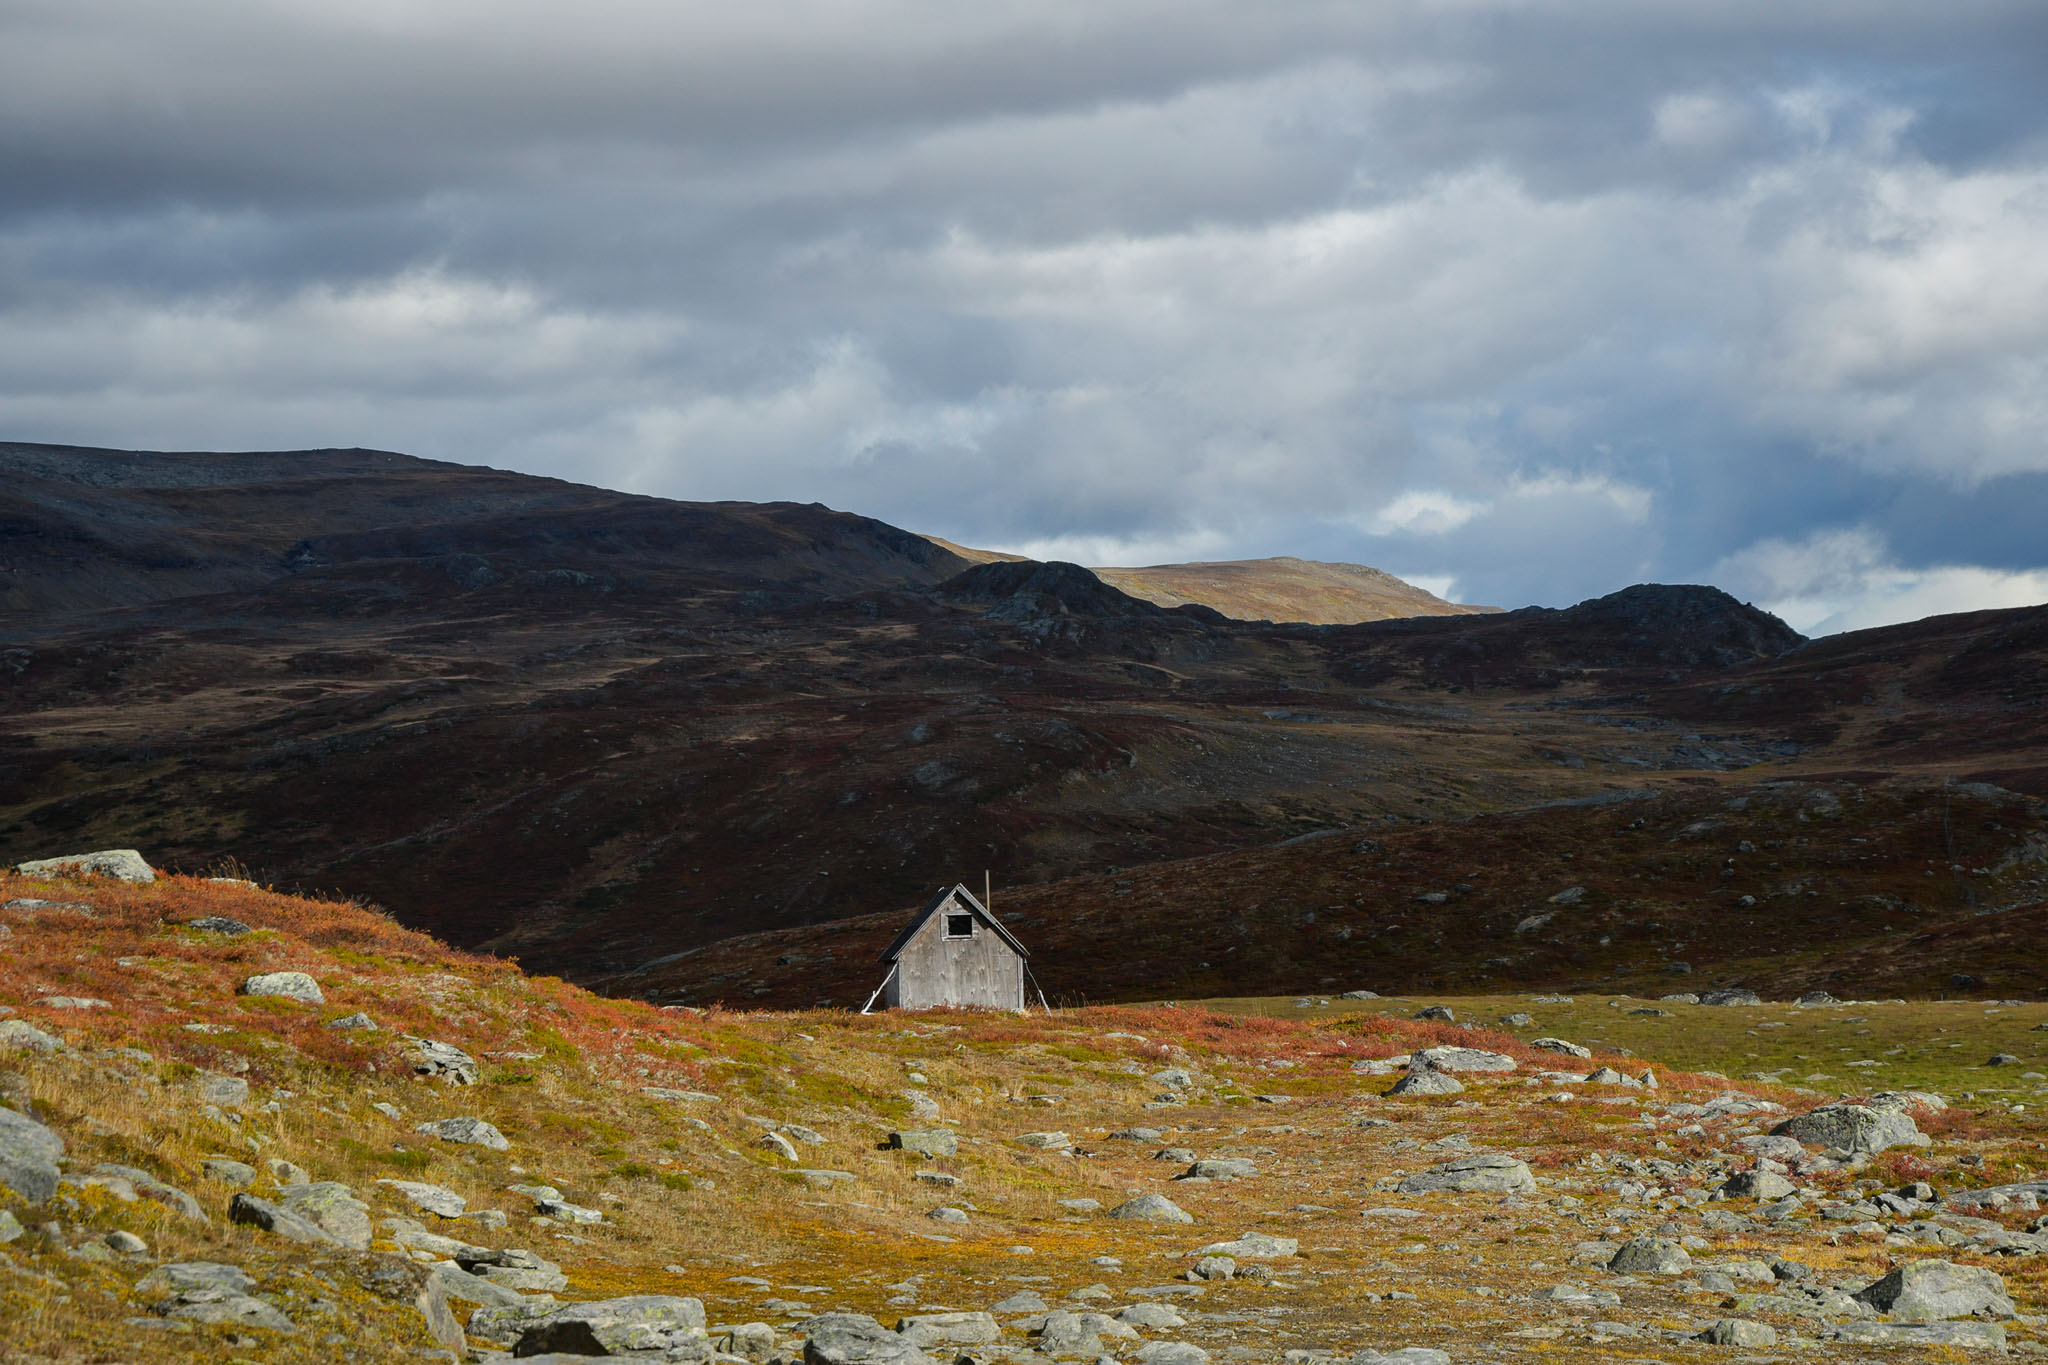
959,926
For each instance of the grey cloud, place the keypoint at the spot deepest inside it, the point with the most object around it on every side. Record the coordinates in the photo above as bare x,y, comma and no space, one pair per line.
1637,289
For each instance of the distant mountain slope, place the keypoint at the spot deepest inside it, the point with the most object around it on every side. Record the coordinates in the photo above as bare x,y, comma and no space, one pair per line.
83,530
1279,589
1286,589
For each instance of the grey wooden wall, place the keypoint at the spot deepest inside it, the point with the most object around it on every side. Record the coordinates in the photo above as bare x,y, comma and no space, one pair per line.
935,970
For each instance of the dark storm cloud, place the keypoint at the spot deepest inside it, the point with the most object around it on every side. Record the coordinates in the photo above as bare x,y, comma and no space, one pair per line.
1528,297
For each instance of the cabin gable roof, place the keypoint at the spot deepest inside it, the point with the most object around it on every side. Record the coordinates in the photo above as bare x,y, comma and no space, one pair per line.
960,893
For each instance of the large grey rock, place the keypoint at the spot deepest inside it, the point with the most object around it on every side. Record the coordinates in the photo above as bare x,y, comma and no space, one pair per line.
231,1310
949,1329
186,1276
1254,1246
1997,1194
1650,1256
149,1187
1067,1333
29,1152
640,1322
221,1090
504,1322
925,1141
333,1208
22,1036
218,924
1929,1291
1757,1184
1980,1336
473,1131
856,1339
1853,1128
1560,1045
1052,1139
1151,1208
1153,1315
122,864
1740,1332
1463,1059
286,985
514,1269
248,1208
434,1199
443,1061
457,1283
1427,1082
1481,1173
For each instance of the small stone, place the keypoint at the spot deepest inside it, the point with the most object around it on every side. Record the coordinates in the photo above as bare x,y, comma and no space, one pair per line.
1484,1173
218,924
127,1243
434,1199
1053,1139
441,1061
1151,1208
224,1091
358,1020
228,1172
473,1131
1254,1246
1740,1332
1442,1013
1650,1256
1758,1184
1560,1045
1462,1059
286,985
947,1214
778,1144
949,1329
925,1141
1731,996
1220,1168
1427,1082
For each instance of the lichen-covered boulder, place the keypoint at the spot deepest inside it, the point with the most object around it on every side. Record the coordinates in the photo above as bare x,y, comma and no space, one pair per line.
288,985
1482,1173
1853,1128
1151,1208
1929,1291
122,864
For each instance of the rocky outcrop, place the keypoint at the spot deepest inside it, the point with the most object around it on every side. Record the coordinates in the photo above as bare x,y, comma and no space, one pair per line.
122,864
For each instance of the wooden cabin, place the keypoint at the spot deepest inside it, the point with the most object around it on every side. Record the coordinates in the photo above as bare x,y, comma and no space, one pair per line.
954,953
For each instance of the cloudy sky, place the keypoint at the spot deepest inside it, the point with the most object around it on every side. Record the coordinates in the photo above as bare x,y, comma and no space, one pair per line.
1523,299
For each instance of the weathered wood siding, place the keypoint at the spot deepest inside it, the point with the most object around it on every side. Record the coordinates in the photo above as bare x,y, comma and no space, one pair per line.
934,970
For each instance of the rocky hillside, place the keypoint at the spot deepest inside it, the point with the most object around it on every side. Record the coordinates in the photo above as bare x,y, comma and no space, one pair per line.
589,729
1859,888
241,1125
